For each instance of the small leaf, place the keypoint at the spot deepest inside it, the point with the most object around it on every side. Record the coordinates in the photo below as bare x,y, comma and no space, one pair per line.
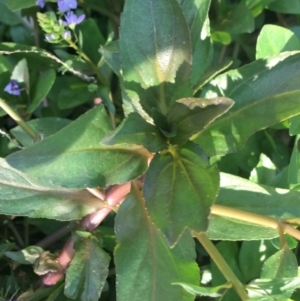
47,263
179,189
155,52
192,115
73,157
20,197
135,130
274,39
213,292
88,270
143,255
20,74
26,256
41,88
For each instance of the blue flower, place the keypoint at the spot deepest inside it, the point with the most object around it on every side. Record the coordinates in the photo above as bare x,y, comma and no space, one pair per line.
40,3
67,35
72,19
65,5
13,88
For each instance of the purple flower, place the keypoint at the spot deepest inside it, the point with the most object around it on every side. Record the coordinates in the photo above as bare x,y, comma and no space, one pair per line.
40,3
65,5
13,88
72,19
67,35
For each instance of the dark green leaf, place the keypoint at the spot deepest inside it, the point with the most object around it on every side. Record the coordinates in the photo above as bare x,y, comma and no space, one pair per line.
73,157
43,126
290,7
92,39
88,270
274,39
293,168
267,89
135,130
111,56
142,256
192,115
155,52
7,16
17,4
179,189
41,88
195,12
18,196
282,264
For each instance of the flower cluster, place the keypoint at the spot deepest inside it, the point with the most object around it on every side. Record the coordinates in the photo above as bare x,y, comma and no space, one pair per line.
55,29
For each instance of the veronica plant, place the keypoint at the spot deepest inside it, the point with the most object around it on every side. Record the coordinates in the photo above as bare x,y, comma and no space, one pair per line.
155,171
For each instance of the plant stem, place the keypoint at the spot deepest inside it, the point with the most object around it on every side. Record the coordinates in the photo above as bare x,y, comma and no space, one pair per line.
221,264
14,115
100,77
255,218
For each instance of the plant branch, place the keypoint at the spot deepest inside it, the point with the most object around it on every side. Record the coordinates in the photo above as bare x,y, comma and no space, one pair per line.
14,115
222,264
255,218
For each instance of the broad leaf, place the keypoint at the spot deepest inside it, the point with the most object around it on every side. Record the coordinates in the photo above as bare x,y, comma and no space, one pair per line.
135,130
179,189
266,89
7,16
272,289
155,52
73,157
16,4
18,196
290,7
282,264
142,256
275,202
26,256
88,270
294,166
44,127
274,39
192,115
41,88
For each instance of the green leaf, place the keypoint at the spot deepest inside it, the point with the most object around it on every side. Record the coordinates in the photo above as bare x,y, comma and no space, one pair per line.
293,168
257,6
272,289
135,130
235,20
179,189
294,128
73,157
282,264
17,4
264,172
274,39
155,52
88,270
290,7
90,46
43,126
192,115
20,197
275,202
266,89
111,56
7,16
20,74
195,12
215,291
41,89
252,256
221,37
143,254
26,256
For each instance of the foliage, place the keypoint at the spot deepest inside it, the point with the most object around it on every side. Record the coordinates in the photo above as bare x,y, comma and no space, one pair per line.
149,150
